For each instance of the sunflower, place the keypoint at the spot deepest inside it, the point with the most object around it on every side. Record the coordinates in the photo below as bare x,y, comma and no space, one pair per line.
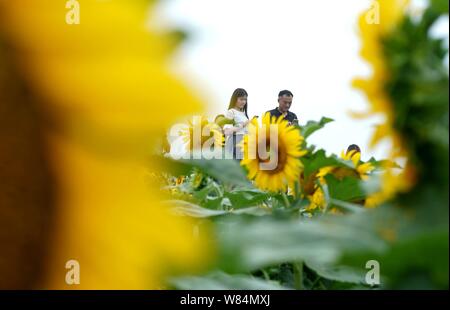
360,170
279,166
317,200
363,169
91,91
392,13
372,36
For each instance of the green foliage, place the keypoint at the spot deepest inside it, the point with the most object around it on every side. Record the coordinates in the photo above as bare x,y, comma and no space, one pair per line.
313,162
227,171
348,189
274,241
312,126
418,87
252,243
223,281
185,208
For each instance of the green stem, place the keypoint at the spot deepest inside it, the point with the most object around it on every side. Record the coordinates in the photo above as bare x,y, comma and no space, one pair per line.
298,275
297,190
315,282
285,200
266,275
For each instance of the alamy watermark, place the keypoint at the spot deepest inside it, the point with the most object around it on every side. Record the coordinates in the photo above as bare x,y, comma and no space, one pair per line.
202,143
373,15
73,273
73,13
373,275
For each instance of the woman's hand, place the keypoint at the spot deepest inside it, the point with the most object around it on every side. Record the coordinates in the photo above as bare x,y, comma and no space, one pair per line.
230,130
245,124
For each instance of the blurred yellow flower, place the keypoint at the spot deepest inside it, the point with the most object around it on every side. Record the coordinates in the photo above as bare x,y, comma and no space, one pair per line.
285,151
201,133
391,14
391,183
105,94
89,72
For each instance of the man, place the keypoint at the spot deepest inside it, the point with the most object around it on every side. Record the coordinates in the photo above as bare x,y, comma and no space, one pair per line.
284,104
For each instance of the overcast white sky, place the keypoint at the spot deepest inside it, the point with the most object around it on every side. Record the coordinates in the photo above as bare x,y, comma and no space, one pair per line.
264,46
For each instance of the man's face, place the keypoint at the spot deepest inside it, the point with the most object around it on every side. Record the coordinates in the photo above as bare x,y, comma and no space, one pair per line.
285,103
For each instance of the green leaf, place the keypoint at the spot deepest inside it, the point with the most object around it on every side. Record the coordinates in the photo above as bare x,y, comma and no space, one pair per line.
224,170
184,208
415,263
250,244
439,6
346,205
338,273
227,171
347,189
312,126
222,281
313,162
241,198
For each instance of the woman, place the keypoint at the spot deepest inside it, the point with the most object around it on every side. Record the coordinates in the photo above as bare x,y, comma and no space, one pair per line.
237,113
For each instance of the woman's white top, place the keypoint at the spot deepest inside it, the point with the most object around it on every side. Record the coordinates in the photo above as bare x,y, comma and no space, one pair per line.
239,119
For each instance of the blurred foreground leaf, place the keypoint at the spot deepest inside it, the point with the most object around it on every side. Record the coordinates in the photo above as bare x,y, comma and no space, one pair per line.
185,208
223,281
247,245
224,170
338,273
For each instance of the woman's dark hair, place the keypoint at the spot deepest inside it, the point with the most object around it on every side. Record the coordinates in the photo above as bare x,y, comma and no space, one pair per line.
240,92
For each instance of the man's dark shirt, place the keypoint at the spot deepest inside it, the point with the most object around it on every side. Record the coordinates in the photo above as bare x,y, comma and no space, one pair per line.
290,117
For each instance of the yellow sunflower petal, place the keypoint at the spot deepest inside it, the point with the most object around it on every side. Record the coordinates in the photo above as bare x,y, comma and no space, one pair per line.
101,82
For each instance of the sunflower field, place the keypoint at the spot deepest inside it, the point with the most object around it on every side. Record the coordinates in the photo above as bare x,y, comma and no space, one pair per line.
318,221
86,176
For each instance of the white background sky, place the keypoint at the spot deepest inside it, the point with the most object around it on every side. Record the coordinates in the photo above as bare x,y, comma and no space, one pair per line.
264,46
